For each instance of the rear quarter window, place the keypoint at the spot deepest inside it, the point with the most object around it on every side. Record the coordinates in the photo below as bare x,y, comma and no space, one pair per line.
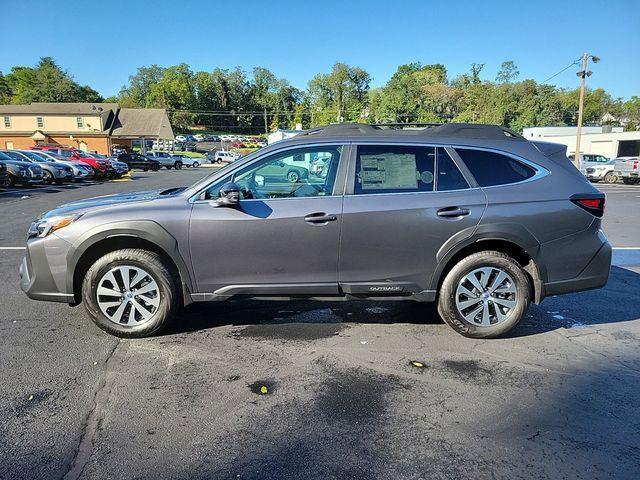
492,168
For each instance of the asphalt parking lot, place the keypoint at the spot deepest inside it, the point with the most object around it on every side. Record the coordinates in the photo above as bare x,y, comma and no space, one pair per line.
558,398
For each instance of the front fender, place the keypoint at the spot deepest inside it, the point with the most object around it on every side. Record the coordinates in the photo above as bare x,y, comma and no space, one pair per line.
144,229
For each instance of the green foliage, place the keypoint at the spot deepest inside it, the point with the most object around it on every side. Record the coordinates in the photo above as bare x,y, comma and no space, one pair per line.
259,101
46,82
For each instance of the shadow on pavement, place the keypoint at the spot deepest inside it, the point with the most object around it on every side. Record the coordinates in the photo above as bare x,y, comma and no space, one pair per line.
618,301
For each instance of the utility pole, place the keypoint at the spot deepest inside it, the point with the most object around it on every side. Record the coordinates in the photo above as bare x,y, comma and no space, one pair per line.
583,73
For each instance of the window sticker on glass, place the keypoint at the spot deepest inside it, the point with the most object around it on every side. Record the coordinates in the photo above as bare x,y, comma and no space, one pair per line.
386,171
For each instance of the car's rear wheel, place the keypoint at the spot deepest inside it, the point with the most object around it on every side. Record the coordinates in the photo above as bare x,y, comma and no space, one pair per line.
130,293
196,164
484,295
178,165
610,177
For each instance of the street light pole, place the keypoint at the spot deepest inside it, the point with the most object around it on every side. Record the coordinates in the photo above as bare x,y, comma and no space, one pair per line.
583,74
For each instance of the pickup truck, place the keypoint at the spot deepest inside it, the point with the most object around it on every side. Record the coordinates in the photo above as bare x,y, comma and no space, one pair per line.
166,159
627,169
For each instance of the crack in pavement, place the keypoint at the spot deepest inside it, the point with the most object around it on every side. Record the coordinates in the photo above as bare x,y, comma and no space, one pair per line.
92,422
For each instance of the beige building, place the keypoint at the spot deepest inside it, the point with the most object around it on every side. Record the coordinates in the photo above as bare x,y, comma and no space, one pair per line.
86,126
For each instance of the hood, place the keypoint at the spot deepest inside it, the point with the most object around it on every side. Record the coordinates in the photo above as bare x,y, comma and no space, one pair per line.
95,203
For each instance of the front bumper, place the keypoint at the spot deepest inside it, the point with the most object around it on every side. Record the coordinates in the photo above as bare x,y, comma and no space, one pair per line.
43,272
28,180
594,275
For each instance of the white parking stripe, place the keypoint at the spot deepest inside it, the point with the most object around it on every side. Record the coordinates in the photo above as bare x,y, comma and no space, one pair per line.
12,248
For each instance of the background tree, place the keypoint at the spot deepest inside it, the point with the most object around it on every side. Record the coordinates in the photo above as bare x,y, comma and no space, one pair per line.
508,72
46,82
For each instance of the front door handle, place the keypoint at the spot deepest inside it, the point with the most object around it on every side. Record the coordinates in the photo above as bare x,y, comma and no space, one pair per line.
320,217
449,212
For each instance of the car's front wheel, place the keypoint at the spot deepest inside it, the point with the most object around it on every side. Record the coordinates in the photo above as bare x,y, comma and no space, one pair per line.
178,165
293,176
610,177
130,293
484,295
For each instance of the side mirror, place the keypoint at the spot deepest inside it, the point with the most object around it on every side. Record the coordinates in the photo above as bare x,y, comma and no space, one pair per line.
229,195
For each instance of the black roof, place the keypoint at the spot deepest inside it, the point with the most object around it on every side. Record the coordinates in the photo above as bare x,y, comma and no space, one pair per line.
449,130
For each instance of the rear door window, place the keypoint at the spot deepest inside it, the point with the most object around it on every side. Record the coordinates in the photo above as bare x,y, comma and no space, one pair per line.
394,169
492,168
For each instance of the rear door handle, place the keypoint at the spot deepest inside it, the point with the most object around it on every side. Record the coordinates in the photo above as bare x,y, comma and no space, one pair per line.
453,212
320,217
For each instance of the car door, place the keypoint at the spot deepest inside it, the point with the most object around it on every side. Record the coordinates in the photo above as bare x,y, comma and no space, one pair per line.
282,237
403,204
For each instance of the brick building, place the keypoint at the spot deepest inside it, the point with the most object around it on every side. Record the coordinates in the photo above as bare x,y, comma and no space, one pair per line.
87,126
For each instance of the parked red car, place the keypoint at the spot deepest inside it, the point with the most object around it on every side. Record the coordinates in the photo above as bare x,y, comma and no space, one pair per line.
238,144
99,165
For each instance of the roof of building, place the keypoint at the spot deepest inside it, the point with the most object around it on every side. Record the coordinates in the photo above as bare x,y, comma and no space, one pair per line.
115,121
47,108
142,122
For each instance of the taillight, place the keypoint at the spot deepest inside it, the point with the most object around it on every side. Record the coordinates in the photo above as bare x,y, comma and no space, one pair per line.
634,165
591,202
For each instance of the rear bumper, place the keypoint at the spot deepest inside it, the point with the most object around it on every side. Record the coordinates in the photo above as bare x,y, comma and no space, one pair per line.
594,275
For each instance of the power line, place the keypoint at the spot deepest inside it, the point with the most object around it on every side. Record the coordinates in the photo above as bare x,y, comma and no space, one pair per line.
575,62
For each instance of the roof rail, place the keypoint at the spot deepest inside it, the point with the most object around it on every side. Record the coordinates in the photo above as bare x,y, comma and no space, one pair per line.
461,130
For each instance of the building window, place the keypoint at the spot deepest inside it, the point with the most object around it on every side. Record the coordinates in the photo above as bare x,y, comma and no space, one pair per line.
80,122
40,122
7,122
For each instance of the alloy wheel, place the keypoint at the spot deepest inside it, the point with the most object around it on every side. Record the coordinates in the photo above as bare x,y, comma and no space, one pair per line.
128,295
486,296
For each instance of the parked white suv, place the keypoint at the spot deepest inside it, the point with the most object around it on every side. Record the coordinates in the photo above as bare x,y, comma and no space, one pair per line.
223,156
628,169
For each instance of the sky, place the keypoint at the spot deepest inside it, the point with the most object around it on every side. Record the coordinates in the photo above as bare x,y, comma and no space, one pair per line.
102,43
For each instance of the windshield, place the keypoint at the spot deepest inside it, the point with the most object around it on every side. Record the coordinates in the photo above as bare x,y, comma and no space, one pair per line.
4,156
37,157
15,156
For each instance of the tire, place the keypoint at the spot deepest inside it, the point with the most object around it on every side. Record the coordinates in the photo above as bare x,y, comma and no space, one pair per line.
519,292
6,182
629,181
178,165
196,164
47,177
155,167
610,177
168,296
219,161
293,176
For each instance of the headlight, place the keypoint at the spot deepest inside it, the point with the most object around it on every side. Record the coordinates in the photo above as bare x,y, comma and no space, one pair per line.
42,228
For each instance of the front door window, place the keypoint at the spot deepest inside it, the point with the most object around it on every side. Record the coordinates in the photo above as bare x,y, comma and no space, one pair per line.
300,172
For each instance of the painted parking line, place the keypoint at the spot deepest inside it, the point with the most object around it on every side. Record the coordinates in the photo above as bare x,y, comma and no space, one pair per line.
12,248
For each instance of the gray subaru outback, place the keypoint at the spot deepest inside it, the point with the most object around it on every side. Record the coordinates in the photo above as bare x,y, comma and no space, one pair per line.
473,217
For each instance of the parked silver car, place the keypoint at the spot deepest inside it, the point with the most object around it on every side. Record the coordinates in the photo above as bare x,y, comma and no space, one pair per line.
473,217
602,172
81,171
52,171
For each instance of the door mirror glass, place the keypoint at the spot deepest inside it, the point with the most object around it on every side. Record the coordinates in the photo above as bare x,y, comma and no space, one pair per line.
229,195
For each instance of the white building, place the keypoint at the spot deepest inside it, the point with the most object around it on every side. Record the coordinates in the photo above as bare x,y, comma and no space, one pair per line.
608,141
282,135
